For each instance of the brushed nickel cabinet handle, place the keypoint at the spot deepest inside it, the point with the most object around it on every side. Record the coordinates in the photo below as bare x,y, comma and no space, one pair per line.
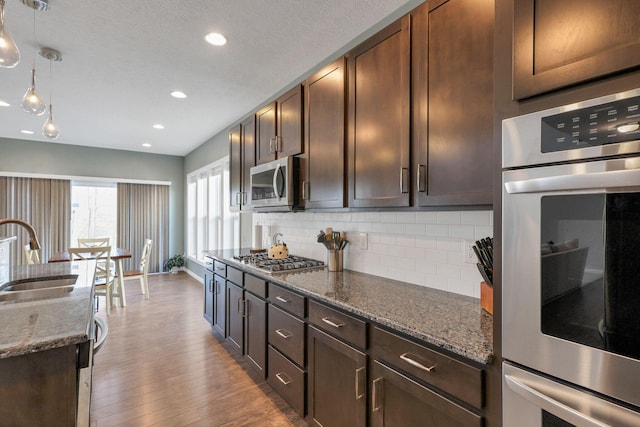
245,308
283,299
403,172
283,378
416,364
419,186
271,150
375,406
332,322
359,372
210,285
284,333
305,190
278,143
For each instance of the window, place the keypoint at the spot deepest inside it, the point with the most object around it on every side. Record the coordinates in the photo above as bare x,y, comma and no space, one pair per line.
94,211
210,224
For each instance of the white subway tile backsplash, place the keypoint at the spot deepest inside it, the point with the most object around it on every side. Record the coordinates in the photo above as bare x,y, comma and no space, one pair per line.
423,248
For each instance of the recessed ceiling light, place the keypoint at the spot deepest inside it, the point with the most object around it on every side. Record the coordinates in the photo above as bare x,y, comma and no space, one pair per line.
4,104
27,132
158,126
146,144
178,94
216,39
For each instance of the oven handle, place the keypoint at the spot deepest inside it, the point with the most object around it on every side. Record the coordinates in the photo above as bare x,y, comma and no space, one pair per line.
551,405
583,181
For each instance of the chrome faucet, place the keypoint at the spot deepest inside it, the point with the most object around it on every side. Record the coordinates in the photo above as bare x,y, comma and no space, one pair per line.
33,239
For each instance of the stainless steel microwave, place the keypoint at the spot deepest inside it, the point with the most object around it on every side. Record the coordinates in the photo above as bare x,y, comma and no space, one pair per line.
275,186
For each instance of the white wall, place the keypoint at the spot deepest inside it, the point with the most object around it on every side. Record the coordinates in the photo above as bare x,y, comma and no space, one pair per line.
423,248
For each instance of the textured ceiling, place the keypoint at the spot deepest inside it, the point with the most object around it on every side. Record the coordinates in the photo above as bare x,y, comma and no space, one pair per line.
122,58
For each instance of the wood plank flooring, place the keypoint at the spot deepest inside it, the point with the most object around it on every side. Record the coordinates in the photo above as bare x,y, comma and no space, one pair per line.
161,366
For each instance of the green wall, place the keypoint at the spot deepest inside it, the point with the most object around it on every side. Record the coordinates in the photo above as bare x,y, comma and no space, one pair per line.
21,156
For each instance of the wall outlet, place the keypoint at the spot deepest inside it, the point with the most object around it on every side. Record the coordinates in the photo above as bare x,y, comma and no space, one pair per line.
363,241
468,253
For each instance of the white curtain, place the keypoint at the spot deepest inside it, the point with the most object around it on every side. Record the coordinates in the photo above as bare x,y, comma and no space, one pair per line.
43,203
143,212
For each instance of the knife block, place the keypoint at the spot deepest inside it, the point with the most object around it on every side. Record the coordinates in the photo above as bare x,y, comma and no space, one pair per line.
486,297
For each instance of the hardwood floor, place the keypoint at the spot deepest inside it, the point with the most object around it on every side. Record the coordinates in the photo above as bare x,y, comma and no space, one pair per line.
161,366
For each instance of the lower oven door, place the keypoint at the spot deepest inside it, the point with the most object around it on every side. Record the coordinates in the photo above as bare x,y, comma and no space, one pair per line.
530,400
571,273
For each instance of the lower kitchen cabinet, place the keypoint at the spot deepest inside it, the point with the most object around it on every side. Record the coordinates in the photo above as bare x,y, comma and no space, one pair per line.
337,372
255,324
208,296
397,400
287,379
219,305
235,312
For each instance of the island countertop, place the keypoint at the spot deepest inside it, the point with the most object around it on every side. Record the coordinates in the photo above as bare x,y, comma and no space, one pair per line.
34,325
450,321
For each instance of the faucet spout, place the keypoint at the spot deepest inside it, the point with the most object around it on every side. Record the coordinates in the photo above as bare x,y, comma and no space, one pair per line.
33,238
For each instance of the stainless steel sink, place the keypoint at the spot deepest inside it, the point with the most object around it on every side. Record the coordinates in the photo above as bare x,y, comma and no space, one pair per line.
36,293
42,284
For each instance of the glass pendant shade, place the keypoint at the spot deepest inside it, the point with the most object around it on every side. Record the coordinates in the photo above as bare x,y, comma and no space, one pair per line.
49,129
31,102
9,52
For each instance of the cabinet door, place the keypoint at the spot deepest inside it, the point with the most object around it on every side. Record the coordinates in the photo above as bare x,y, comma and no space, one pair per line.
560,43
255,331
289,140
337,382
248,138
235,310
396,400
219,305
379,97
235,167
265,134
324,95
208,296
453,103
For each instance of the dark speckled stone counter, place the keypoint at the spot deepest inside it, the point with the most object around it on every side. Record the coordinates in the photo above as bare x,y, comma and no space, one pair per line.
35,325
450,321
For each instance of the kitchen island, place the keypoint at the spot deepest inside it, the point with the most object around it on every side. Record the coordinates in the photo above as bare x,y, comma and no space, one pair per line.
44,346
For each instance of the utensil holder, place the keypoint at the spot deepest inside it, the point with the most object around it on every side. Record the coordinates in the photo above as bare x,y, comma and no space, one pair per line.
334,260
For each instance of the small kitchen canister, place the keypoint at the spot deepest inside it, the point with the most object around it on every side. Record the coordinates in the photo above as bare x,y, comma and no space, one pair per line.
334,260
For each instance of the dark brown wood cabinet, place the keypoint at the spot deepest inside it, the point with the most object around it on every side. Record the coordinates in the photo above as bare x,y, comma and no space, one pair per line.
561,43
235,313
324,112
242,157
337,393
452,48
379,121
255,341
209,287
279,127
219,305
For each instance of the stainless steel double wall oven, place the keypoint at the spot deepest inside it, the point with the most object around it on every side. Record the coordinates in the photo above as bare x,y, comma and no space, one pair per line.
571,264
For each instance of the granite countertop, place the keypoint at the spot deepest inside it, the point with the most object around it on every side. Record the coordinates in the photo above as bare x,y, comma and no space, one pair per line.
36,325
453,322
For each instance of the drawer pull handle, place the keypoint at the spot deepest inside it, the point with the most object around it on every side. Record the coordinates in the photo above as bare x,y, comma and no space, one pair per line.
284,333
416,364
283,299
220,268
376,395
283,378
359,373
333,323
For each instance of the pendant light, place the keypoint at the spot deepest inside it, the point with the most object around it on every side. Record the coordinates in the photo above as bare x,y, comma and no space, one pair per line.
31,102
9,52
50,129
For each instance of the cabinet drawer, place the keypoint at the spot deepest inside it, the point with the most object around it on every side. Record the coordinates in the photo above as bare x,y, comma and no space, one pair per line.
452,376
220,268
235,275
286,300
286,333
350,329
255,286
208,263
287,379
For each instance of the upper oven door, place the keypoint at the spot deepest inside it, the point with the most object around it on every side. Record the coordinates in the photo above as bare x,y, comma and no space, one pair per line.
571,273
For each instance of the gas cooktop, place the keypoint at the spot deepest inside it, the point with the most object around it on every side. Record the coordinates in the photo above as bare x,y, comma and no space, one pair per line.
262,262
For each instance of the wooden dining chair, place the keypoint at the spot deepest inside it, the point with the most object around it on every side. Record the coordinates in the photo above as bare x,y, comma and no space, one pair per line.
103,276
33,255
141,272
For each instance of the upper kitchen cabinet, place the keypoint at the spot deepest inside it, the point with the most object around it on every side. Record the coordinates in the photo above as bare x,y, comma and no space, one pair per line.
279,127
242,153
324,95
379,122
560,43
452,48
